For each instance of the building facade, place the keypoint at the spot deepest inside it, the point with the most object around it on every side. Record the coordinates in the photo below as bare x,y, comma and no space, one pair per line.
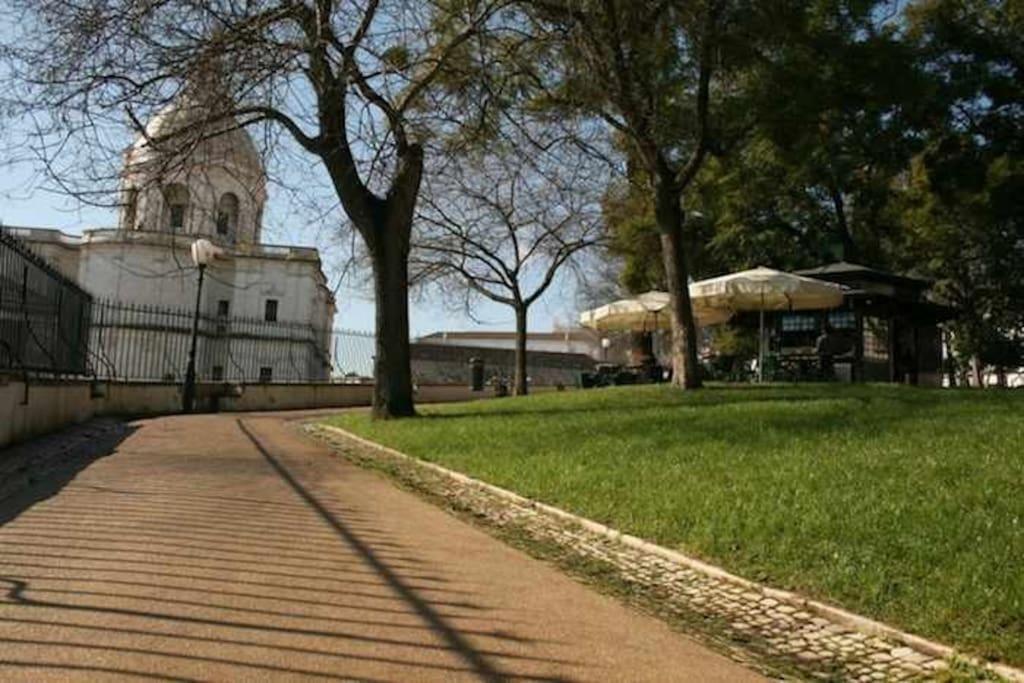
217,192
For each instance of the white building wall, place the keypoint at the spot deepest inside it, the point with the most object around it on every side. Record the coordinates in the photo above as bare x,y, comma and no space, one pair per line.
145,264
155,271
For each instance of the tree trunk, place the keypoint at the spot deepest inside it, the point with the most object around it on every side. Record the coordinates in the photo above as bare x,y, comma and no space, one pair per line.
669,216
850,252
385,224
392,371
977,369
521,387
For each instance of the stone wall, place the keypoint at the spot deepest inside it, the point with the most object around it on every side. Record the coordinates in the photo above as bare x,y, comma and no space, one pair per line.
449,364
46,406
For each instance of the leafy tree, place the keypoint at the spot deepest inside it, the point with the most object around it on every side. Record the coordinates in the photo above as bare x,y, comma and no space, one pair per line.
661,76
633,239
838,109
353,83
963,208
827,116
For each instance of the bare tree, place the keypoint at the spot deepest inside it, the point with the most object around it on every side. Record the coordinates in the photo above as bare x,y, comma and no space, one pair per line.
503,226
350,82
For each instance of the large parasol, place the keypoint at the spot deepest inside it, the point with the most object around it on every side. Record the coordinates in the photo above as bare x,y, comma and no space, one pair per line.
643,313
764,289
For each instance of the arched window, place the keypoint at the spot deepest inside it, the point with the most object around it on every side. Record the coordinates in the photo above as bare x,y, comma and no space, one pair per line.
176,201
227,214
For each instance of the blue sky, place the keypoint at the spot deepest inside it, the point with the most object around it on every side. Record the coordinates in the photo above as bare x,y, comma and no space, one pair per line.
25,200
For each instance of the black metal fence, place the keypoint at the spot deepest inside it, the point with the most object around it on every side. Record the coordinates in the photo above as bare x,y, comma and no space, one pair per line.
44,316
150,343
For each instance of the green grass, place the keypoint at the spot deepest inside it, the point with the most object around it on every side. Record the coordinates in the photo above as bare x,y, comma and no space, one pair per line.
903,504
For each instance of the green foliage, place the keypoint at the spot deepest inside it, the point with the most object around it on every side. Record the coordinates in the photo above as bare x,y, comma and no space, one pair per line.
837,111
896,502
633,237
858,133
964,222
963,208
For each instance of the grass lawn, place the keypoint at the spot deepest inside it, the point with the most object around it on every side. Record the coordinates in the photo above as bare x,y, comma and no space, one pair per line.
903,504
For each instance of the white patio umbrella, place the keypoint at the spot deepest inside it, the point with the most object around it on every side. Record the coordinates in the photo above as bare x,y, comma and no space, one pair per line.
643,313
764,289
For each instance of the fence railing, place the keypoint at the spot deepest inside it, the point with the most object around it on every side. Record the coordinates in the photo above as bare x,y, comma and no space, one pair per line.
44,316
50,325
138,342
352,352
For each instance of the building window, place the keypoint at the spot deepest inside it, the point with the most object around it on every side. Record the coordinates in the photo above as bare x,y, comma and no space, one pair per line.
876,339
223,306
266,374
842,320
270,311
176,200
227,214
218,373
795,322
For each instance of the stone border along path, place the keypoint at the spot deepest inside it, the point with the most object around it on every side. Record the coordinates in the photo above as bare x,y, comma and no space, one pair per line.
812,638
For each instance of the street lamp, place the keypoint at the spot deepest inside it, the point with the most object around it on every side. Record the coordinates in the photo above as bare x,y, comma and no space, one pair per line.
203,251
605,343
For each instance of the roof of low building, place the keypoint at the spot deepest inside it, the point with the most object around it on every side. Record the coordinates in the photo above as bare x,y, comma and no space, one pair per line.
573,334
844,271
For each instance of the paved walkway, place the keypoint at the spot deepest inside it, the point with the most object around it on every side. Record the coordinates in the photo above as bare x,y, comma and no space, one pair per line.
219,548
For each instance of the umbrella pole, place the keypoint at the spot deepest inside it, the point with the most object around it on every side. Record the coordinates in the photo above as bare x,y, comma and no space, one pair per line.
760,348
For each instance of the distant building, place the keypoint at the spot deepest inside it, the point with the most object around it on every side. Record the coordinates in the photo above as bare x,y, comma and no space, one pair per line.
552,357
216,192
577,341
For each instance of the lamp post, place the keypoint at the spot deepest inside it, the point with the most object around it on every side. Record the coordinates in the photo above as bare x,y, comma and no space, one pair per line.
203,252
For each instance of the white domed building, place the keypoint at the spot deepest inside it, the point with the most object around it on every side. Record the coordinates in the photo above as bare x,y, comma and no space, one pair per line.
214,190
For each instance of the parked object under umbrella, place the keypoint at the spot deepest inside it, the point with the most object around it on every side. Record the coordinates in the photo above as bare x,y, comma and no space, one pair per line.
763,289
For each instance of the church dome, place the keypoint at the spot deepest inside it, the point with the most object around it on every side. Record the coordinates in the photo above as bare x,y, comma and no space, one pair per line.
180,125
188,174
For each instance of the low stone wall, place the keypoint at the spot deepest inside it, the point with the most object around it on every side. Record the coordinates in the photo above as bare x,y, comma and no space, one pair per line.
449,364
41,408
46,406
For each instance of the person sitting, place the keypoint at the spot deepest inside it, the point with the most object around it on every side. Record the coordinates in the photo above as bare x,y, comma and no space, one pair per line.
824,346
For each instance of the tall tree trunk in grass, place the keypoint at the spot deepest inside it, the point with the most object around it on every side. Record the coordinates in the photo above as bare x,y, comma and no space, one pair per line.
392,390
669,215
521,387
977,370
385,224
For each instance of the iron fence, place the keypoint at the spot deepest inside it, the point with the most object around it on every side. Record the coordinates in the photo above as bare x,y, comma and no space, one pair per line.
44,316
151,343
353,354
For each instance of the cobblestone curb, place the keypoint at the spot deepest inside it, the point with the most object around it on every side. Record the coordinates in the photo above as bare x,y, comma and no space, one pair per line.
815,639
